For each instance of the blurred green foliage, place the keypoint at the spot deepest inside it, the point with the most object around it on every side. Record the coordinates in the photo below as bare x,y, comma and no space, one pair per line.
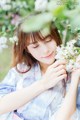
66,15
19,8
5,62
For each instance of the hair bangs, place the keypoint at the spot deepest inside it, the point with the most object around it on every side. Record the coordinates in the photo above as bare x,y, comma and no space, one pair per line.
35,37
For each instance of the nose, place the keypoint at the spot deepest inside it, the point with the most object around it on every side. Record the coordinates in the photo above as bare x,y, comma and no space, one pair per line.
45,48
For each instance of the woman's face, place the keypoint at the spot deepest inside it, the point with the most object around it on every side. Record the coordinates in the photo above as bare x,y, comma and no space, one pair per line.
43,51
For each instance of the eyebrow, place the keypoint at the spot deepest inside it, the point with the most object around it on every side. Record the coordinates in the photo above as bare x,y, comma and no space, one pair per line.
33,42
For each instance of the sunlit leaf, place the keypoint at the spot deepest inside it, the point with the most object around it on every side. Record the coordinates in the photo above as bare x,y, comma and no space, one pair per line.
36,22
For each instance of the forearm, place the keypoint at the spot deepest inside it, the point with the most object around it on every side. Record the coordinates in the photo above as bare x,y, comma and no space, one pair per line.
19,98
69,105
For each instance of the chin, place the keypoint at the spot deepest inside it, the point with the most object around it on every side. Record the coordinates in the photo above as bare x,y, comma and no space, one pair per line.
49,62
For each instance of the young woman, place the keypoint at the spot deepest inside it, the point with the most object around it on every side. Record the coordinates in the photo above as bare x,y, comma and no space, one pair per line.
34,87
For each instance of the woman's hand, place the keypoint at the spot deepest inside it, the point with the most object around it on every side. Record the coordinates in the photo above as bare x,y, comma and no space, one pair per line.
54,73
75,77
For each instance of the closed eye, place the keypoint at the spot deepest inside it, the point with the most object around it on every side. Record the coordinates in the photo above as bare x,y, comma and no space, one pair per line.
35,45
48,40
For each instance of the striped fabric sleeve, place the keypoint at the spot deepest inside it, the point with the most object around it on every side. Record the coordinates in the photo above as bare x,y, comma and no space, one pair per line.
8,84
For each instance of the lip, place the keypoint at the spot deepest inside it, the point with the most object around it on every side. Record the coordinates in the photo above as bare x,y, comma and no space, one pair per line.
48,55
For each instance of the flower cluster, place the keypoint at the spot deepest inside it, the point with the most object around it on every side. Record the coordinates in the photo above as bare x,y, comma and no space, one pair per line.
41,5
4,40
11,12
7,5
70,53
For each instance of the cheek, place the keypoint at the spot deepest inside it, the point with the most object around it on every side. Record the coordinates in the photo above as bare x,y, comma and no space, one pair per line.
53,45
34,53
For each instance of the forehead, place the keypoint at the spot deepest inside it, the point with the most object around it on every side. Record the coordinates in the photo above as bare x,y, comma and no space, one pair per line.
35,37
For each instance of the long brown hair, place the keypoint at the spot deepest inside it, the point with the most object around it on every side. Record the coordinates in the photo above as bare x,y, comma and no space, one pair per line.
20,52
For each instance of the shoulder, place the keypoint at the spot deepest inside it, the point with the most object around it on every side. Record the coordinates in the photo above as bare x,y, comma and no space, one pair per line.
14,76
10,77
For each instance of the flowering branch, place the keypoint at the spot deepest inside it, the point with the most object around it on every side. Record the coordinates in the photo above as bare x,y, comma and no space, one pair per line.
70,53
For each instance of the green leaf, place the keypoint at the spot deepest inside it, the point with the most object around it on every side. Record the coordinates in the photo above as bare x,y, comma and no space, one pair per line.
36,22
46,30
59,11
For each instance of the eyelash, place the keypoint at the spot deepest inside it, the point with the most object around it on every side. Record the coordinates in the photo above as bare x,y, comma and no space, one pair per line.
36,46
48,40
45,42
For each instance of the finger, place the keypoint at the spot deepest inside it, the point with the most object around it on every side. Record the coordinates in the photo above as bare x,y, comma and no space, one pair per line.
61,77
63,71
76,69
57,63
60,67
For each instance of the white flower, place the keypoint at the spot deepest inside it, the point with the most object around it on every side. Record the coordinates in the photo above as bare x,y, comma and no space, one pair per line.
41,5
3,41
70,53
71,62
69,67
78,59
13,39
60,54
77,65
5,4
2,2
6,7
71,43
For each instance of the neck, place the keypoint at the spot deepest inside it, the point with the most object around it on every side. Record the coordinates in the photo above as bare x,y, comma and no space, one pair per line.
43,67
